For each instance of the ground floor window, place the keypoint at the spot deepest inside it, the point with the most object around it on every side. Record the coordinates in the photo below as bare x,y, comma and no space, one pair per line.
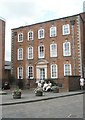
30,72
20,72
67,69
54,71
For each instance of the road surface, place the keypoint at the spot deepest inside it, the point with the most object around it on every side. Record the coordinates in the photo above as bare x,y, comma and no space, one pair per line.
64,107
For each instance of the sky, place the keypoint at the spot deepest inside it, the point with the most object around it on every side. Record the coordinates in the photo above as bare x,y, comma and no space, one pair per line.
26,12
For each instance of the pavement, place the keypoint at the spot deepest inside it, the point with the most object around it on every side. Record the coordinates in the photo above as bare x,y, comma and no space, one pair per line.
29,96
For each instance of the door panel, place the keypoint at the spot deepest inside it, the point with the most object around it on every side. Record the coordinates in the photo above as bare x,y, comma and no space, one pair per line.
41,73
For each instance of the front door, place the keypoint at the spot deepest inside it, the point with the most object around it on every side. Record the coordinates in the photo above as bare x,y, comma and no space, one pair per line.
42,73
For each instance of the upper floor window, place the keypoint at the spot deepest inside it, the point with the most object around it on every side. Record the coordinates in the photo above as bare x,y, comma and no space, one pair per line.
30,52
40,33
66,49
53,32
53,50
66,29
30,72
67,70
20,37
54,71
41,51
20,54
30,35
20,72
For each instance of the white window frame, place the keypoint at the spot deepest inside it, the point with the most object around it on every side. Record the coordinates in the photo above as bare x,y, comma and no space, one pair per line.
20,53
66,49
40,36
54,71
30,37
66,29
20,72
32,73
53,52
20,37
39,53
53,32
30,52
67,71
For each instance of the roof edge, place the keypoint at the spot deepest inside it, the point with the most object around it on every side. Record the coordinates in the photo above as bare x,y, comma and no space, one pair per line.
3,19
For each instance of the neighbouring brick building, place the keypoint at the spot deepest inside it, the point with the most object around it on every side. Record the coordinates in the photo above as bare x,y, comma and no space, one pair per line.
52,49
2,49
7,71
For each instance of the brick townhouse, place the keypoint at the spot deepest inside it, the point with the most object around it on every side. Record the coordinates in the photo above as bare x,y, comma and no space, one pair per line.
52,49
2,48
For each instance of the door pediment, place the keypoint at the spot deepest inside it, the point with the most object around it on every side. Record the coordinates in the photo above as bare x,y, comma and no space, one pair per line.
42,62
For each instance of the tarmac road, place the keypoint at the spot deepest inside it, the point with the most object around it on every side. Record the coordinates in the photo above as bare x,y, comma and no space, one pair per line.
64,107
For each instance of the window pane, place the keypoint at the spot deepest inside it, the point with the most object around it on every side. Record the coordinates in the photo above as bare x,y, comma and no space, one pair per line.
66,29
30,35
67,69
30,53
20,37
20,54
54,71
52,31
20,72
53,50
41,51
40,33
66,49
30,72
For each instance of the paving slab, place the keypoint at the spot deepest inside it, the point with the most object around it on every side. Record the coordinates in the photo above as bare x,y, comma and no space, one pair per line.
29,96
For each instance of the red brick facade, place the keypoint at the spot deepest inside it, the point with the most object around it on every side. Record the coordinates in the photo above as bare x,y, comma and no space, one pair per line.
83,42
2,48
41,66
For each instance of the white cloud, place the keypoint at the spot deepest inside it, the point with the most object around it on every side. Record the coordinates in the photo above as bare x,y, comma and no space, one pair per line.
24,12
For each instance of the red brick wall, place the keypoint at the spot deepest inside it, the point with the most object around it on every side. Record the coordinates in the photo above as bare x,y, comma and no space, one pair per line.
2,49
83,41
70,83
